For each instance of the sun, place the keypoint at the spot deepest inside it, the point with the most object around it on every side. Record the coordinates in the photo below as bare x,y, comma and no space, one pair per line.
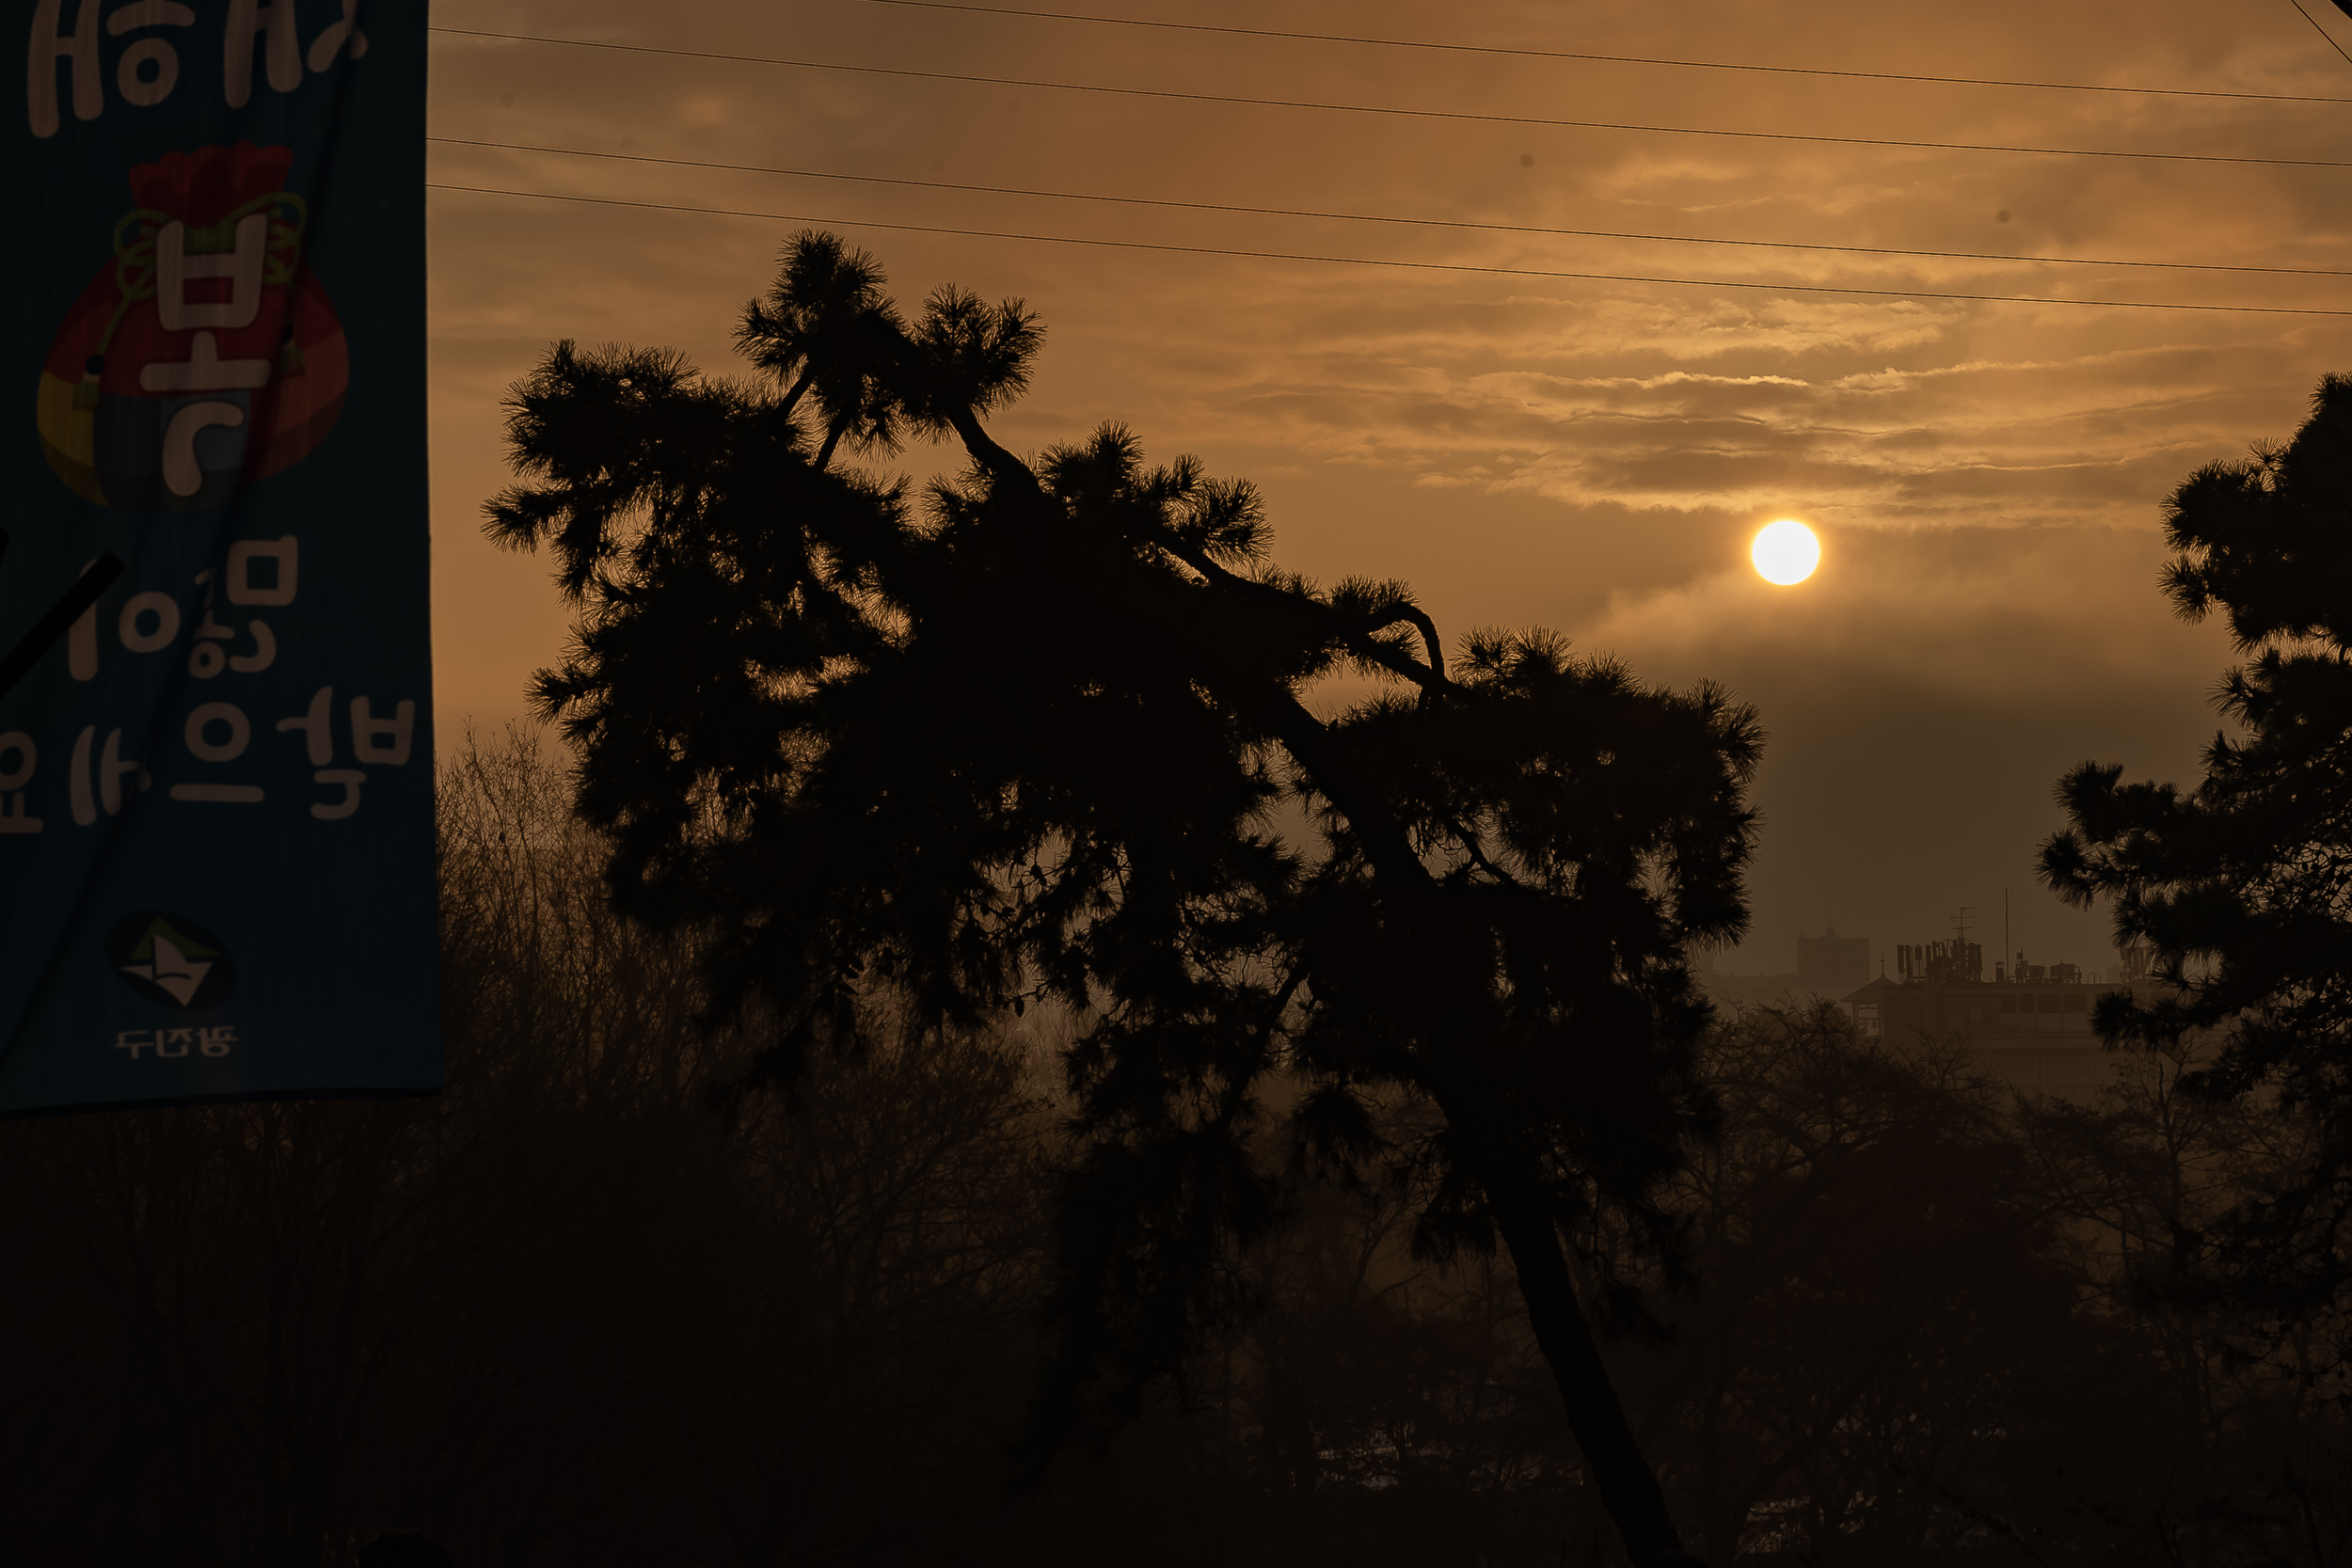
1784,552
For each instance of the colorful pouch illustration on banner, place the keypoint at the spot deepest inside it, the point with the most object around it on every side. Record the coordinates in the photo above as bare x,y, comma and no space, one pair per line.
205,355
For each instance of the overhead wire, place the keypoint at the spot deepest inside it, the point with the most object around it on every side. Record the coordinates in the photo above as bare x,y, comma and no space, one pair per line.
1456,116
1377,217
2321,31
1611,59
1772,287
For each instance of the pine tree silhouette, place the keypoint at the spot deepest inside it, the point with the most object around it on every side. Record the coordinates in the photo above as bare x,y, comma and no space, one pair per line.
2239,885
1027,740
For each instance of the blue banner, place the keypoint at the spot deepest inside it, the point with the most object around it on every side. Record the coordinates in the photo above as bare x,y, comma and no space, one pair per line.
216,852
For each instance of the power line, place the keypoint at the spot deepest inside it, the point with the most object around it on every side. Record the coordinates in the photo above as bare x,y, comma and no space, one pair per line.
1455,115
1376,261
1610,59
2321,31
1376,217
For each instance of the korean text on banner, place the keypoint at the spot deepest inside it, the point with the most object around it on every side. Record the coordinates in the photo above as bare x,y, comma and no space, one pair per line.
215,770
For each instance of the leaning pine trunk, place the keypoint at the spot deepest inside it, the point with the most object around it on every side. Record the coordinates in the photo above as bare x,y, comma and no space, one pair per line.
1627,1486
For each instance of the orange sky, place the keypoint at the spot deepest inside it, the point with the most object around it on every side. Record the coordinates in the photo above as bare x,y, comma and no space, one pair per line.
1587,455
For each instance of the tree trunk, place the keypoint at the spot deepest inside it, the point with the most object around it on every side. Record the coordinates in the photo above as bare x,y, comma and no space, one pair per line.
987,452
799,386
833,439
1636,1503
1628,1485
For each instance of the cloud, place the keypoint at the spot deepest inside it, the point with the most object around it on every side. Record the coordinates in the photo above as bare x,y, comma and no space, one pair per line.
2009,608
1588,454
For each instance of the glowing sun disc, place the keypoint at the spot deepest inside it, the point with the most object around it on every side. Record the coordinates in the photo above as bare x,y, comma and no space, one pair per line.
1786,552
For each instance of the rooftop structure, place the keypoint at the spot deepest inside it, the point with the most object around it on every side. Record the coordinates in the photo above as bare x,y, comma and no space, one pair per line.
1827,966
2029,1023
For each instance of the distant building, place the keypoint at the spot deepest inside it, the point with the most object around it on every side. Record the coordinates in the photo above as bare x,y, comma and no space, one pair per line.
1833,964
2029,1024
1827,966
1753,990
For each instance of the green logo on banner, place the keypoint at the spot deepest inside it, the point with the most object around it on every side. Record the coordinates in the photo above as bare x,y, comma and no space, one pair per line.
171,960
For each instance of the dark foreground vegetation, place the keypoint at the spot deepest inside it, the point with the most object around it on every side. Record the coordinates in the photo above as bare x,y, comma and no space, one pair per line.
964,1063
587,1307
